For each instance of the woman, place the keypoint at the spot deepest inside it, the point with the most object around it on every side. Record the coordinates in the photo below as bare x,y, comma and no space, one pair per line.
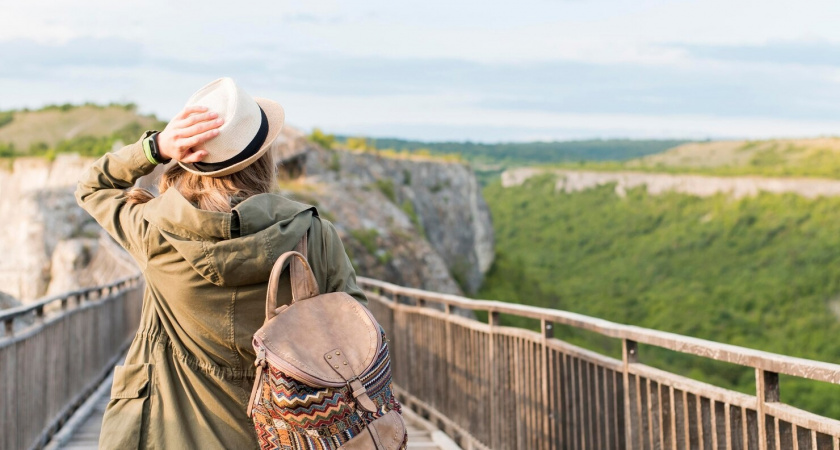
205,246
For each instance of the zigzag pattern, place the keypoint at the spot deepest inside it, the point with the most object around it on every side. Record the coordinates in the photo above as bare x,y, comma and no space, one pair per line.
290,415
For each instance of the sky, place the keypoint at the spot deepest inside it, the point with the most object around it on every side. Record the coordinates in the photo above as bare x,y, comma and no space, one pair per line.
448,70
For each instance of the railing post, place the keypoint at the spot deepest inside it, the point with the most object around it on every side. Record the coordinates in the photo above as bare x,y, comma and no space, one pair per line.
629,355
495,431
451,399
766,390
547,376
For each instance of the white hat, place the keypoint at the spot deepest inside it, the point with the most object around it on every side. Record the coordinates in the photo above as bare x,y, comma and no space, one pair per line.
251,125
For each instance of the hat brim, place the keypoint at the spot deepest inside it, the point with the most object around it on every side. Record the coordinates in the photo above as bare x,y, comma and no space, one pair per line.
276,118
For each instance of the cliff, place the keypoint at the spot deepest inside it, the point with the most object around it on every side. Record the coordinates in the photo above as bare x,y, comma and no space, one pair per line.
658,183
51,245
417,223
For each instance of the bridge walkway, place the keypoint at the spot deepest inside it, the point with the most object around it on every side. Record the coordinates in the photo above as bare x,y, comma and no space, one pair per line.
82,431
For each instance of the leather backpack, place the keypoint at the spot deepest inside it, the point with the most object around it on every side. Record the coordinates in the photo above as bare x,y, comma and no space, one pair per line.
323,370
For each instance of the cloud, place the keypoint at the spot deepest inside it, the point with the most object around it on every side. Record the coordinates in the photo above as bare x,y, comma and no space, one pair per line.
807,53
569,86
114,69
24,58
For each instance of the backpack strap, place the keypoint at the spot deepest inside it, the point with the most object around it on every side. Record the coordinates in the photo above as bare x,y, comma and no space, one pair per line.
302,279
298,272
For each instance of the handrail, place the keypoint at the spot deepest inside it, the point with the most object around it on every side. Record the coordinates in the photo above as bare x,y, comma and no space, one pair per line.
772,362
38,305
50,367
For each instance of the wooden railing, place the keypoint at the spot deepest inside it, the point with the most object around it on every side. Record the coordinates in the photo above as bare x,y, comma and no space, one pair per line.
499,387
55,352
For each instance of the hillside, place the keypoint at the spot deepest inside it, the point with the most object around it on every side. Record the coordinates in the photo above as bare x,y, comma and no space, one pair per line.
819,157
759,271
88,129
489,160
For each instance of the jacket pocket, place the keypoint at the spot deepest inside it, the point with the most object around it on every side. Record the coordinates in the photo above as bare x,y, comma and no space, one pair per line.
122,426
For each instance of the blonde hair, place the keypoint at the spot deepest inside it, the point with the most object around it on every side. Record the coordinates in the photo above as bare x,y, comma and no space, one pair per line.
214,193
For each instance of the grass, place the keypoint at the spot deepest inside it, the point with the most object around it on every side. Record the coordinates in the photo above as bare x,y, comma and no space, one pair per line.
52,126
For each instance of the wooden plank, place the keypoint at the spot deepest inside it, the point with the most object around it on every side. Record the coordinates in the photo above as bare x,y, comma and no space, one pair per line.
629,353
527,400
586,403
666,428
642,411
495,388
559,401
751,430
602,412
708,425
574,385
653,418
546,386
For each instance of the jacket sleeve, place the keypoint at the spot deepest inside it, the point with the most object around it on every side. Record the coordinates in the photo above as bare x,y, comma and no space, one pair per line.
340,275
101,192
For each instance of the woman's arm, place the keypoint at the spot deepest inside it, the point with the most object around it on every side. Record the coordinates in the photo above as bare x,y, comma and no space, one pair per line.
101,192
102,189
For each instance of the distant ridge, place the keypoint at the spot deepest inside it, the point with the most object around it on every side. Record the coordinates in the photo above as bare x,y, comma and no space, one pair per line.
537,152
816,157
25,132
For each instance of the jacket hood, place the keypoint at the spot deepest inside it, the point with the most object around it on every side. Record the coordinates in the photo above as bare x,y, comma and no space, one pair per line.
269,225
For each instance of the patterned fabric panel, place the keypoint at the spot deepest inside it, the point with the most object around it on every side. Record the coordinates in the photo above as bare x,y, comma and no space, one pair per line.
290,415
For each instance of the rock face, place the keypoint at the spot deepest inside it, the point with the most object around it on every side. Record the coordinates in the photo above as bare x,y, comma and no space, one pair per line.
394,199
657,183
422,224
46,237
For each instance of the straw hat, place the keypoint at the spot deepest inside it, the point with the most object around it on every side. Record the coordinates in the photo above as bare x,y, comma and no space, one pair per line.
251,125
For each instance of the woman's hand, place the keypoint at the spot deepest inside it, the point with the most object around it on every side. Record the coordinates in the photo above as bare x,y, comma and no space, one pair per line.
181,138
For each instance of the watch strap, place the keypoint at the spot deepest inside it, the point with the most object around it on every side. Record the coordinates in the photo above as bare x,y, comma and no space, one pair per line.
151,150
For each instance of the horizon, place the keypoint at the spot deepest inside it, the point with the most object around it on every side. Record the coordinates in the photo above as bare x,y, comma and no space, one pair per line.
139,111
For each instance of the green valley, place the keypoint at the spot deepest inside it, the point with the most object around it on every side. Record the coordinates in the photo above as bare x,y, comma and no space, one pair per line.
760,272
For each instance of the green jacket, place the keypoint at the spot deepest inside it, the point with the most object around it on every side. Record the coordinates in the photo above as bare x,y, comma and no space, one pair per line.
189,371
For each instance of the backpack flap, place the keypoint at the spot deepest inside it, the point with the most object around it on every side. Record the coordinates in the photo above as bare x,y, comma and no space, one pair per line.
297,340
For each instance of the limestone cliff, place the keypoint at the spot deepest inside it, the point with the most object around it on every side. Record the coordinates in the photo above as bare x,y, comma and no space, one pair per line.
50,245
416,223
419,223
658,183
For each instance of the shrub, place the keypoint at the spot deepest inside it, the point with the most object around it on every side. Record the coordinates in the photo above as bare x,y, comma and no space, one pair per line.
386,186
324,140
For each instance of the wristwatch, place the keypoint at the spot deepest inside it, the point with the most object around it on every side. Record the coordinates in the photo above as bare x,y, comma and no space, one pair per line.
150,148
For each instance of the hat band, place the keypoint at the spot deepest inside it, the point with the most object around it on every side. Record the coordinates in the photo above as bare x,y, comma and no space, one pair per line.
250,150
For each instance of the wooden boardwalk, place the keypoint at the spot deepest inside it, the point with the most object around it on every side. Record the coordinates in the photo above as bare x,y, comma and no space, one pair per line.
82,431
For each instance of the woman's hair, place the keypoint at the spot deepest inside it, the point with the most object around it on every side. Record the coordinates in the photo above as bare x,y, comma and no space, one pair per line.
214,193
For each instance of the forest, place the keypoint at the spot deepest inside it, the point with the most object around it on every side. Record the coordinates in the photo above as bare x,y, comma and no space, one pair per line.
760,272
